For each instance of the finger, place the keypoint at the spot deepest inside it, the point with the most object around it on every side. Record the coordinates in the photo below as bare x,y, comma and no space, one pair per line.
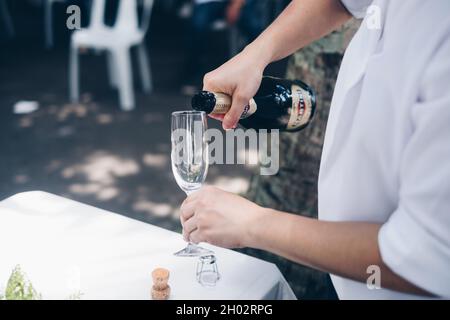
193,194
210,83
186,235
190,225
191,197
182,219
237,107
216,116
187,210
196,237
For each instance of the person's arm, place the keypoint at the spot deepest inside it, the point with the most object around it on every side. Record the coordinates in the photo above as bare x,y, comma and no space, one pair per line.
302,22
342,248
346,249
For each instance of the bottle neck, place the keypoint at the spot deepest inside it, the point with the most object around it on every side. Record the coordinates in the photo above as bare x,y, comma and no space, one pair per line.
223,104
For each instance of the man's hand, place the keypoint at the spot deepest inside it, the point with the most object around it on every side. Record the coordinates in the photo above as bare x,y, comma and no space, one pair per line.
221,218
301,23
240,78
342,248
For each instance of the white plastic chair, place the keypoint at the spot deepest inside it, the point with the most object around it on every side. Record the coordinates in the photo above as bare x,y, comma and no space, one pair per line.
117,42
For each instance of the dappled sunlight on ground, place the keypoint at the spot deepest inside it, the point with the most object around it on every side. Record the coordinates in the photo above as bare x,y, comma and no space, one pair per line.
104,118
100,170
101,192
102,167
156,209
26,122
21,179
77,110
156,160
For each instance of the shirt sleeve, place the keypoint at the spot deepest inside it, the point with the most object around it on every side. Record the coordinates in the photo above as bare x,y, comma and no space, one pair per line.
415,241
357,8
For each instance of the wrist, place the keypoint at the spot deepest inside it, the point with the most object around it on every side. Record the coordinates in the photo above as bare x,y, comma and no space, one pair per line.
256,227
260,53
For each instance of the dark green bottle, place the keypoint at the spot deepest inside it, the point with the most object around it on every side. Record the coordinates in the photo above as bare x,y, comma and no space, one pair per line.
287,105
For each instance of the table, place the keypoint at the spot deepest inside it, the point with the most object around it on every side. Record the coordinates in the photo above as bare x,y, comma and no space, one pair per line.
64,247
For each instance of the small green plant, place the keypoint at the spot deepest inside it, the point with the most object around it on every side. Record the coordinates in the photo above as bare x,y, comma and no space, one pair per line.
19,287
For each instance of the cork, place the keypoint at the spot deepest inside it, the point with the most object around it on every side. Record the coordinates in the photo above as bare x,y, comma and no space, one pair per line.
160,277
158,294
160,288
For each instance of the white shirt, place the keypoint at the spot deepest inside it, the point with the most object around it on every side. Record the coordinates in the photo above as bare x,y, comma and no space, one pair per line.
386,156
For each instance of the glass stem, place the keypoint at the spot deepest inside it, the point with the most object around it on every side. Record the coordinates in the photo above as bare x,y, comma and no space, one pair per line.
190,247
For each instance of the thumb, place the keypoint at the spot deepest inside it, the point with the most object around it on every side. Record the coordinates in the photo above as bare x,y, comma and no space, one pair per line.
232,117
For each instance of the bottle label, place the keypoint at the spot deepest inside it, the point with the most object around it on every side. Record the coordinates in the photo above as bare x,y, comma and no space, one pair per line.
301,107
223,104
249,109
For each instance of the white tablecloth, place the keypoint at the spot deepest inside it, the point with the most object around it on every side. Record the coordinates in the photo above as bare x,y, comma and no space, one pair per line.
65,246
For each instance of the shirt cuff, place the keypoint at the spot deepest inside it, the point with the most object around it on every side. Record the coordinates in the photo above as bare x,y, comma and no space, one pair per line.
415,254
357,8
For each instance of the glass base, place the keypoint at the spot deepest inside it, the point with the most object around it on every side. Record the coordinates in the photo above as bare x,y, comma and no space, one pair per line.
193,251
208,278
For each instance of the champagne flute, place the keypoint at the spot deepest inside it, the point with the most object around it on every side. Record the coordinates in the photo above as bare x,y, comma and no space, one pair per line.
189,160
